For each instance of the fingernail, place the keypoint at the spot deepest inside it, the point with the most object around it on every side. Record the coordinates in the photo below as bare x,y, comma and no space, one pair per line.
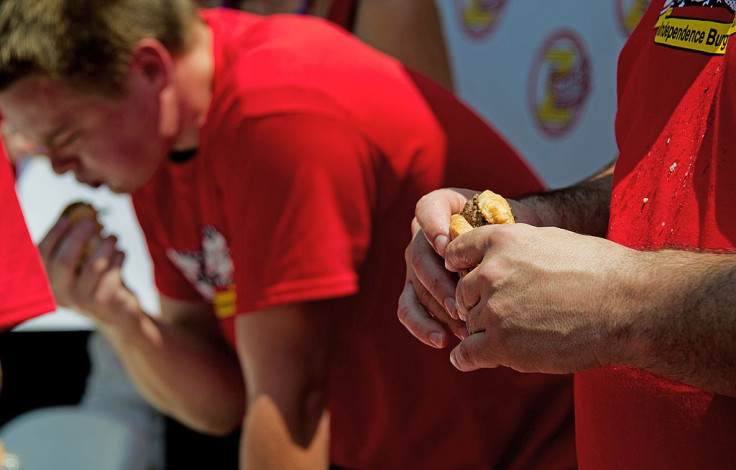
440,244
436,339
449,304
464,333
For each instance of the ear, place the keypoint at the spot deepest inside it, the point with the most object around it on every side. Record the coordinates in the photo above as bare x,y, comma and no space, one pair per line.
153,68
153,62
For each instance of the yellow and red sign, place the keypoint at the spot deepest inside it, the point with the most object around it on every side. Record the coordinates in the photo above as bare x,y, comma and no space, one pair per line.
629,13
479,17
560,83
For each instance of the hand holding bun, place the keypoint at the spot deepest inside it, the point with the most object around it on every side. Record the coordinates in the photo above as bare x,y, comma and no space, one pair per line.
484,208
77,212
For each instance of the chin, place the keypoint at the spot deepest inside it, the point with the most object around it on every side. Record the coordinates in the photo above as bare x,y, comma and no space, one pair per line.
119,189
122,187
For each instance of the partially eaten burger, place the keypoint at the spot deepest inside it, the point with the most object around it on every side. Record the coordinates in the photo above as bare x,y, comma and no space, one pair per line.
484,208
77,212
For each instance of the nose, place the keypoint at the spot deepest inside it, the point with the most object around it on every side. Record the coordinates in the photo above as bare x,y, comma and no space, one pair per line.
62,164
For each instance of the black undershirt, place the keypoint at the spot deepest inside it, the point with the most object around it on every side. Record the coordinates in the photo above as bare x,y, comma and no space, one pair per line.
183,156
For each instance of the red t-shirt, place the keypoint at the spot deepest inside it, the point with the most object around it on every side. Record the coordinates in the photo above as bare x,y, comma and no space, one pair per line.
674,187
24,289
314,153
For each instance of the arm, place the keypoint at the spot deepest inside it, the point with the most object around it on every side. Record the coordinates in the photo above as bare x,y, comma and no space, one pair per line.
179,362
410,31
427,304
549,300
687,330
582,208
284,352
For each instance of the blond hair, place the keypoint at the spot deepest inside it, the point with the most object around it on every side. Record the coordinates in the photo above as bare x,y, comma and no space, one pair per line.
86,44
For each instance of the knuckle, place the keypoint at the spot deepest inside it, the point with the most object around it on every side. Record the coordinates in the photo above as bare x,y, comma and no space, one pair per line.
65,261
423,201
489,273
422,294
402,311
98,266
406,318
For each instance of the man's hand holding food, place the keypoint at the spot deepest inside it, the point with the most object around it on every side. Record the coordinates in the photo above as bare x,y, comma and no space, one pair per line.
84,267
515,300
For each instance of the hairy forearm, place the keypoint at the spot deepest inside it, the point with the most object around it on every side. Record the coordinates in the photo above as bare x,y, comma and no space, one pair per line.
582,208
192,378
686,327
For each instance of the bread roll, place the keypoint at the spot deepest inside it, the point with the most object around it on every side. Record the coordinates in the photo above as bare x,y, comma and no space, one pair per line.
77,212
484,208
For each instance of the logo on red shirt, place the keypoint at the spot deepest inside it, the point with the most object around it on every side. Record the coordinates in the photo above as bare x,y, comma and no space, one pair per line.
210,270
559,84
479,17
702,26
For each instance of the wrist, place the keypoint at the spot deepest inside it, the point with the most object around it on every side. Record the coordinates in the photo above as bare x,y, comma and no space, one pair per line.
126,324
583,208
638,308
537,210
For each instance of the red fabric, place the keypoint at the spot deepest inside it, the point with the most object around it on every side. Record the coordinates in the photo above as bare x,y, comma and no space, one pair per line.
24,290
674,186
313,155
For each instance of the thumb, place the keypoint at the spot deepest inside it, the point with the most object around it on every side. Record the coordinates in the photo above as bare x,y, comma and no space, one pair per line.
433,212
473,353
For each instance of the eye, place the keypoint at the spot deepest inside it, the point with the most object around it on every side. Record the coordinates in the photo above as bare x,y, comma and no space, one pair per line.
67,139
64,140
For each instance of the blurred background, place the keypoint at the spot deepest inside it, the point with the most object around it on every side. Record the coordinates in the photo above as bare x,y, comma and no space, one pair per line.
542,73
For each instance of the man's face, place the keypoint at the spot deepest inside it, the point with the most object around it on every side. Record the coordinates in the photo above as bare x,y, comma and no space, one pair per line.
114,142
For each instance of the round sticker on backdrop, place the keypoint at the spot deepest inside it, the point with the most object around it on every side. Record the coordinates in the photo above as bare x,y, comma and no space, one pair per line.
629,12
479,17
559,83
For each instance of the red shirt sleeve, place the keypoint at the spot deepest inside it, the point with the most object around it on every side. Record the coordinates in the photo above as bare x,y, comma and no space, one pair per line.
24,289
307,189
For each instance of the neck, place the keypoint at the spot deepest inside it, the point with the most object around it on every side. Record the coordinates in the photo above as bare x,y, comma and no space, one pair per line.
193,77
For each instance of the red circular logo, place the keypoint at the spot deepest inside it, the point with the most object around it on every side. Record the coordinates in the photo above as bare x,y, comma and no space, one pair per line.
479,17
560,83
